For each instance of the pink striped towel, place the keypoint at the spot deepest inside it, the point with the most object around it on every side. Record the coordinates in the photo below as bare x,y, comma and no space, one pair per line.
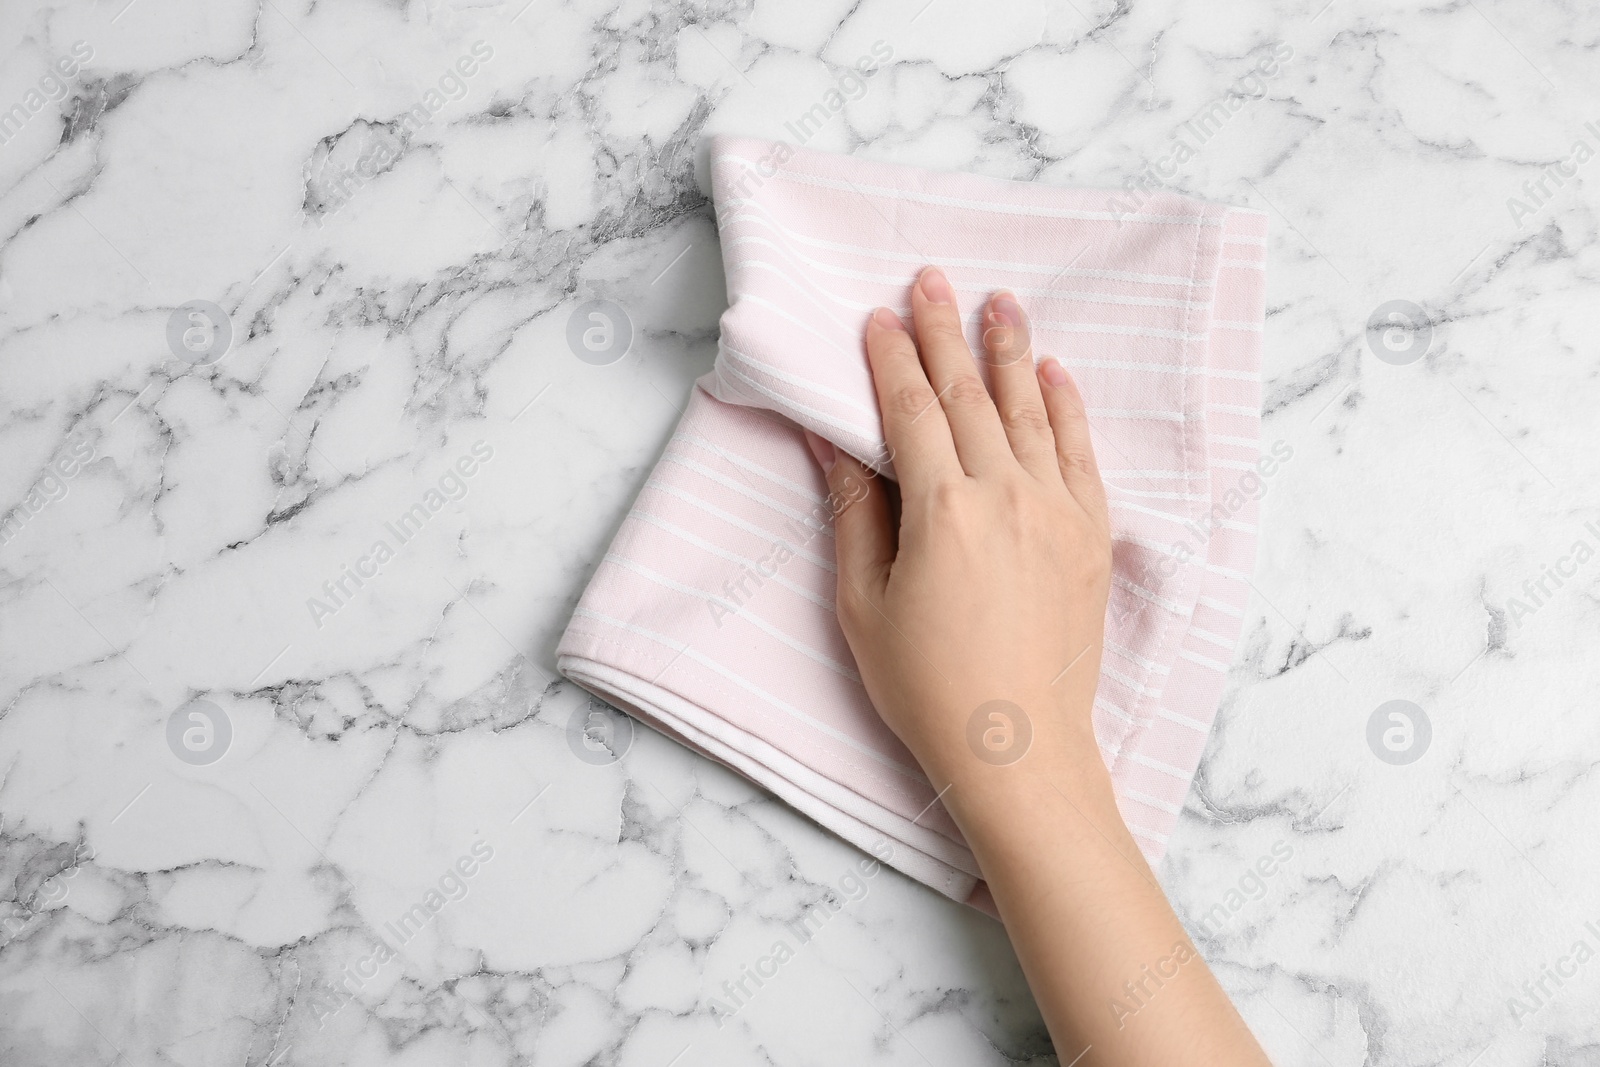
711,616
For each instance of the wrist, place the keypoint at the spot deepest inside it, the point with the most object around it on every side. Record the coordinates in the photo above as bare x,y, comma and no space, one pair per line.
994,791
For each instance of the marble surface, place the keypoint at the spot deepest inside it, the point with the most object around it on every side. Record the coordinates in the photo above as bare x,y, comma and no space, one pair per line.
275,276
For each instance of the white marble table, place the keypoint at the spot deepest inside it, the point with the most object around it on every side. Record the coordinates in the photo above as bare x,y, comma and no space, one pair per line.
274,795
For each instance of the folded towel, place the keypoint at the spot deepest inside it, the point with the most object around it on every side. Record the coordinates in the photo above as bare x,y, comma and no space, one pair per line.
711,617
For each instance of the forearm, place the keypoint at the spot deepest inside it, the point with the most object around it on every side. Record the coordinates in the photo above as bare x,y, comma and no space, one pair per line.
1110,965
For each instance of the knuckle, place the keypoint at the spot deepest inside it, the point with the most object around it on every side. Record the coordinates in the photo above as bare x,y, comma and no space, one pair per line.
967,390
906,402
1077,460
946,496
1016,498
1027,509
1025,418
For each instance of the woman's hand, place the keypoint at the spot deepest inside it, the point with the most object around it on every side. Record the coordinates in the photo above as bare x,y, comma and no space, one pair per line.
976,616
992,588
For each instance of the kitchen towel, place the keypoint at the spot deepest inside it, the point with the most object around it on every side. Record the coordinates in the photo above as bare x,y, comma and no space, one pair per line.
711,615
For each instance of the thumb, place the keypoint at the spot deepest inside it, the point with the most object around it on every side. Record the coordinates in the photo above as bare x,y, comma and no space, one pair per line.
863,538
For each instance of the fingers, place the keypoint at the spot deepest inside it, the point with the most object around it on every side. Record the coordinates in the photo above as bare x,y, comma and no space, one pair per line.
863,534
970,413
1006,339
1074,450
913,422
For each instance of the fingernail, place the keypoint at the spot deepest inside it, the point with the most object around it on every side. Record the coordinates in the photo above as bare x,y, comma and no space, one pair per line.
888,320
823,449
1005,305
936,287
1053,371
1007,337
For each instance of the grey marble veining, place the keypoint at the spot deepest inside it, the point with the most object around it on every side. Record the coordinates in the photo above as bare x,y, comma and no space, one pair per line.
282,283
